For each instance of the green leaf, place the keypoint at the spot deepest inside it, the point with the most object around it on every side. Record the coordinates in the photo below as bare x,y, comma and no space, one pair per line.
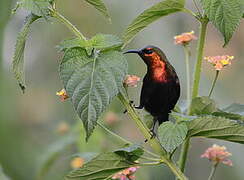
37,7
225,15
101,167
3,176
171,135
92,81
203,105
18,58
100,6
99,42
131,153
54,152
150,15
216,127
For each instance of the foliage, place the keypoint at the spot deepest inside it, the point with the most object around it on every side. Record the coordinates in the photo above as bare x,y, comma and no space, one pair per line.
152,14
225,15
172,135
93,70
92,81
18,59
102,167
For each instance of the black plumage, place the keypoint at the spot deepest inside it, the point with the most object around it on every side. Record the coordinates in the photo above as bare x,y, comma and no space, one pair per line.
161,88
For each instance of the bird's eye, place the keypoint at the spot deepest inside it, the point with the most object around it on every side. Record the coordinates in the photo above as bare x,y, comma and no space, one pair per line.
148,51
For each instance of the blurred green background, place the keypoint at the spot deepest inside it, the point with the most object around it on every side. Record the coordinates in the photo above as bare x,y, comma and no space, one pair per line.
31,122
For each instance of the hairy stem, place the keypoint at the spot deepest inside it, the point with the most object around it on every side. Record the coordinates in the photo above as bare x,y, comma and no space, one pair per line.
122,139
197,76
67,23
188,79
214,82
183,154
213,170
156,146
200,49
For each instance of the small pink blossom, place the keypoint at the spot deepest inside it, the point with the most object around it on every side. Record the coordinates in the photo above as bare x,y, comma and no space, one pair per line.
185,38
217,154
111,118
131,80
127,174
219,62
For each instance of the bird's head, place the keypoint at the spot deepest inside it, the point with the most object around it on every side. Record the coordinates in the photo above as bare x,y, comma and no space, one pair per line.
150,54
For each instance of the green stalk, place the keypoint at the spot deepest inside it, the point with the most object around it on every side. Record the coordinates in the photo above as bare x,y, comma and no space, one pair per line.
200,49
188,79
122,139
213,170
214,82
67,23
197,76
156,146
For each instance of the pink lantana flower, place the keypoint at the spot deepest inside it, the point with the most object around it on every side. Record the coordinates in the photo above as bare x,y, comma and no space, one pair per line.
219,62
127,174
131,80
217,154
185,38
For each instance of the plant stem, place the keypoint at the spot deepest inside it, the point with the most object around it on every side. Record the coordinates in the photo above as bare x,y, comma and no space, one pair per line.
183,154
214,82
153,141
123,140
213,170
188,79
67,23
200,49
197,76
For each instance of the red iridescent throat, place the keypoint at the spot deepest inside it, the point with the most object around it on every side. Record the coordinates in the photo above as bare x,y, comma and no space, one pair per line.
157,67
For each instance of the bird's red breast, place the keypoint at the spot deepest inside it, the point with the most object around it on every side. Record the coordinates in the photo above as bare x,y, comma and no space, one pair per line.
157,67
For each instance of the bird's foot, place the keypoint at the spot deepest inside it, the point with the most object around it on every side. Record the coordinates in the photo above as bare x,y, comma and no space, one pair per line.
153,135
131,103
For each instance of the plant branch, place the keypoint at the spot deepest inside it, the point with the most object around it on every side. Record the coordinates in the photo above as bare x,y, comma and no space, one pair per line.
153,141
213,170
188,79
198,10
67,23
200,49
214,82
122,139
197,75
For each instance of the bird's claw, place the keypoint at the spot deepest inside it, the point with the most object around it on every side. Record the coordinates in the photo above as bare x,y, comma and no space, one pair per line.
131,103
153,135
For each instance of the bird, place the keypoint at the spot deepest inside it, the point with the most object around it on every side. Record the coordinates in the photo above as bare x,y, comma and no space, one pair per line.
161,86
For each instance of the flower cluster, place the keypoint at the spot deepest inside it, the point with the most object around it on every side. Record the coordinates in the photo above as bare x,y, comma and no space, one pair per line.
217,154
127,174
185,38
131,80
62,94
219,61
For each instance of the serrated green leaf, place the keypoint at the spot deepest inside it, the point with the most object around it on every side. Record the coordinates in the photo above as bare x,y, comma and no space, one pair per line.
203,105
3,176
99,42
131,153
54,152
101,167
171,135
18,58
92,81
37,7
217,127
150,15
225,15
100,6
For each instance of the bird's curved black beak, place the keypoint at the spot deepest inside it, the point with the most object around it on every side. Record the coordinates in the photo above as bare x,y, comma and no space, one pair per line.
132,51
